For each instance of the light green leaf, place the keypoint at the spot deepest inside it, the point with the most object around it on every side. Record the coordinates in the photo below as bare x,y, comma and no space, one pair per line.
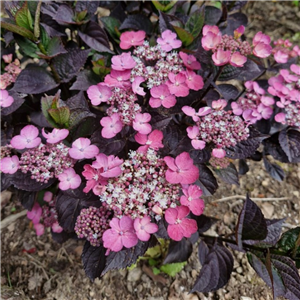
23,17
172,269
186,37
195,23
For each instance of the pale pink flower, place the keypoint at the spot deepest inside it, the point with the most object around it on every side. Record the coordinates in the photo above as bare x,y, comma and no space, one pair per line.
123,62
7,58
161,96
56,135
295,68
252,85
136,86
99,93
281,57
181,169
39,229
219,104
267,101
236,109
48,196
265,111
237,60
193,132
193,81
111,126
210,28
280,118
143,228
153,141
189,111
211,40
5,99
141,123
69,180
9,165
56,228
261,38
168,41
179,225
218,152
121,234
109,166
192,200
239,32
35,213
288,77
82,148
177,85
94,179
118,79
262,50
221,57
132,38
190,61
28,138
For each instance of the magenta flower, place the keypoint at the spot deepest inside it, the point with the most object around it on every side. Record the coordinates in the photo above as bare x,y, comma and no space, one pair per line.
193,81
56,135
136,86
180,226
218,152
295,68
236,109
219,104
9,165
141,123
56,228
7,58
193,134
132,38
111,126
281,57
82,148
262,50
211,40
39,229
181,169
35,213
153,141
261,38
123,62
210,28
239,32
237,60
168,41
118,79
99,93
48,196
121,234
192,200
143,228
161,96
69,180
5,99
221,57
280,118
189,111
28,138
177,84
190,61
109,166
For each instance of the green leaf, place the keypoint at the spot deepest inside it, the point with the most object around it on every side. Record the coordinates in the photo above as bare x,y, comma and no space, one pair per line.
184,36
173,269
163,6
81,15
112,25
27,47
155,270
23,17
45,39
18,30
154,252
195,23
60,115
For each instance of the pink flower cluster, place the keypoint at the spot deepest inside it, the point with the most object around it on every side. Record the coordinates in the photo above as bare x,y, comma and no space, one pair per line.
45,216
216,126
286,86
231,49
219,163
166,76
12,71
253,105
284,50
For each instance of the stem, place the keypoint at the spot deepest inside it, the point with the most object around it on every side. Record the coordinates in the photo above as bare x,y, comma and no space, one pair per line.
36,30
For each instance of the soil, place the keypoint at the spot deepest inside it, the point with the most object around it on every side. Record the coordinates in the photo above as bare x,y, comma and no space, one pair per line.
55,272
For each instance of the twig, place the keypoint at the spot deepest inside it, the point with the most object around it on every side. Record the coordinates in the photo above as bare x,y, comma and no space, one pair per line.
253,199
12,218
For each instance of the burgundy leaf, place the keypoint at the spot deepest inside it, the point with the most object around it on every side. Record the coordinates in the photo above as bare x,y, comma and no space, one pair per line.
207,180
165,21
62,236
64,15
243,167
289,140
179,251
27,199
84,80
137,22
274,170
200,156
162,230
228,91
229,174
212,15
204,222
233,22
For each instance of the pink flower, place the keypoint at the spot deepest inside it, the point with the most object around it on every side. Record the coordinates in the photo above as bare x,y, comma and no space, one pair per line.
109,166
177,84
190,61
219,104
192,199
121,234
69,180
123,62
193,133
5,99
118,79
7,58
180,226
82,148
111,126
264,111
218,152
94,179
281,57
221,57
262,50
236,109
56,228
288,77
9,165
161,96
39,229
28,138
35,213
239,32
153,141
56,135
261,38
189,111
237,60
136,86
99,93
48,196
143,228
252,85
211,40
296,69
209,28
141,123
168,41
280,118
193,81
132,38
181,169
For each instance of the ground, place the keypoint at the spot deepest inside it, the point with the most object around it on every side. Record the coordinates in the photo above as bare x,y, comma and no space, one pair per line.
55,271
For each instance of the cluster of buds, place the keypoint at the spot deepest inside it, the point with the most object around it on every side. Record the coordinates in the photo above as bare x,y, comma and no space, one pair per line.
165,74
219,163
231,49
12,71
217,126
253,105
284,50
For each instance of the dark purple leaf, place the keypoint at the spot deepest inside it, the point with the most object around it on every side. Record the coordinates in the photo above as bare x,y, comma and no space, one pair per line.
160,122
229,72
95,37
228,91
274,170
250,70
162,229
62,236
204,222
64,15
55,47
200,156
137,22
84,80
233,22
5,181
289,140
52,27
90,6
39,119
212,15
34,80
165,21
273,148
251,223
50,8
217,265
18,101
235,5
229,174
207,180
118,11
243,167
27,199
178,251
94,260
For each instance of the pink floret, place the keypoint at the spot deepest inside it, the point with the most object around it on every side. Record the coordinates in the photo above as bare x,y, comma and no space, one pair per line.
132,38
9,165
28,138
143,228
